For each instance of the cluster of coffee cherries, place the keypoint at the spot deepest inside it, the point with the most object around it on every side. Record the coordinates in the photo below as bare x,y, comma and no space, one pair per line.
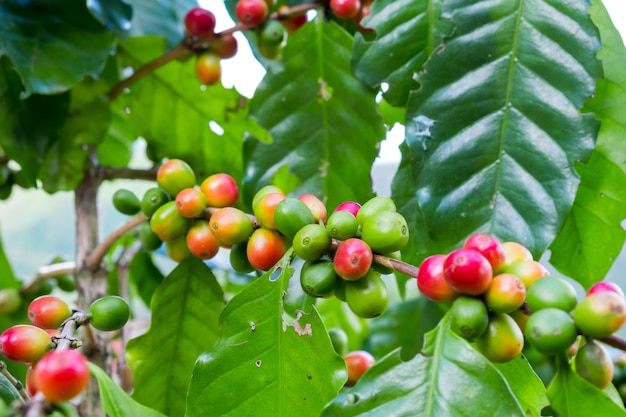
59,374
501,297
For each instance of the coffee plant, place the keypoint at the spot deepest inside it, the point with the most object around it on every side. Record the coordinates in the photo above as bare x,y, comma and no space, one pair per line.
291,289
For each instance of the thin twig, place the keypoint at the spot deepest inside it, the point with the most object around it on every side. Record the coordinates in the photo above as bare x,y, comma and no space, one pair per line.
95,257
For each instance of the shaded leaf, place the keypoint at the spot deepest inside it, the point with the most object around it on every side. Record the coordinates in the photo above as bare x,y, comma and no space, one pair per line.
572,396
114,15
266,363
185,310
405,38
160,17
336,313
592,236
8,392
180,118
45,40
322,119
403,325
449,378
115,402
7,277
145,275
495,129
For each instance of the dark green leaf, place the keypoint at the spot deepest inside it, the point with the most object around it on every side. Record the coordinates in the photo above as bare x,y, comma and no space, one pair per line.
323,120
116,147
45,40
405,38
180,118
185,310
266,363
592,236
572,396
145,275
8,392
7,277
160,17
403,325
449,378
115,402
495,129
112,14
525,384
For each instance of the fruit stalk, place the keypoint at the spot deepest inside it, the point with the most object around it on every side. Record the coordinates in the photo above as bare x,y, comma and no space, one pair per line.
16,383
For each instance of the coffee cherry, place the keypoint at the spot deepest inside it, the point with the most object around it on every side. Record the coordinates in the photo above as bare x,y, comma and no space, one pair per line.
167,222
367,297
10,300
265,248
385,232
551,292
267,189
593,363
291,215
61,375
316,206
175,175
488,246
603,286
357,363
349,206
318,279
515,252
48,312
230,225
311,242
220,190
177,249
551,331
528,271
600,314
272,33
190,203
353,259
251,12
467,271
149,240
201,242
469,317
502,341
25,343
374,206
339,339
431,282
293,23
264,208
209,68
342,225
225,46
152,199
109,313
200,22
126,202
239,259
345,9
505,294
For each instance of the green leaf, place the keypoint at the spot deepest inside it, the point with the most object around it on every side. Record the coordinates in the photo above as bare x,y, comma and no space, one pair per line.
266,363
185,310
113,14
525,384
593,232
160,17
322,119
115,402
495,129
145,275
45,40
405,38
7,277
572,396
449,378
180,118
8,392
403,325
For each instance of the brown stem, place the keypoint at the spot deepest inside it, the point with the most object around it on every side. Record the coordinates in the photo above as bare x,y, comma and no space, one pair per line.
111,173
95,257
49,271
614,341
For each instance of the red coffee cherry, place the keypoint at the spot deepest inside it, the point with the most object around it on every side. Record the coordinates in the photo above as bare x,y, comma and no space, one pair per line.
488,246
25,343
345,9
61,375
431,282
200,22
224,45
467,271
353,259
209,68
251,12
48,312
357,363
220,190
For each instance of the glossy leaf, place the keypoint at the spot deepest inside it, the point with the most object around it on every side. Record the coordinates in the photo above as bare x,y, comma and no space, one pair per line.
449,378
8,392
405,38
495,129
336,313
322,119
115,402
7,277
572,396
266,363
112,14
44,40
593,230
185,310
179,118
525,384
